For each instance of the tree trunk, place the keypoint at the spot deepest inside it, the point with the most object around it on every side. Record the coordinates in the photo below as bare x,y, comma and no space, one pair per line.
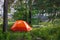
30,8
5,16
29,16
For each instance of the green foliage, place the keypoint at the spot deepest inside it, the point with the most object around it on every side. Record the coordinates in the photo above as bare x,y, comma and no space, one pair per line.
50,7
48,32
19,14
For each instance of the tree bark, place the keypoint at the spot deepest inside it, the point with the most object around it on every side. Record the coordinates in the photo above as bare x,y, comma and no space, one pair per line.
29,16
5,16
30,9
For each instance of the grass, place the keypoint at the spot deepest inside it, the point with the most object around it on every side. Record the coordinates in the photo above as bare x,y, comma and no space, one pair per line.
49,32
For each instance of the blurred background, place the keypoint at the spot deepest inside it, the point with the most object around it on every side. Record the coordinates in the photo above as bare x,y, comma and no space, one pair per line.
42,15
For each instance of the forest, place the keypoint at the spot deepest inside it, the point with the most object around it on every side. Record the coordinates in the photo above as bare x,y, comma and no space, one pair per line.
42,15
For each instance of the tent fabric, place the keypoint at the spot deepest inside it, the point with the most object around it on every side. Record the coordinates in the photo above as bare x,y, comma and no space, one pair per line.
21,26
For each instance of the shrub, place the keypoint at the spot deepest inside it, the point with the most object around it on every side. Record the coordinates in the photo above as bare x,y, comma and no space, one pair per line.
42,33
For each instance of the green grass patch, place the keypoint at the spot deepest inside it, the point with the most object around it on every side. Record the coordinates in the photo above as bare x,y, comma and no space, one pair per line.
50,32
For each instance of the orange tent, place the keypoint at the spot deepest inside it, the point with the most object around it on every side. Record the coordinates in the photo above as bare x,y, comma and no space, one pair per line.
21,26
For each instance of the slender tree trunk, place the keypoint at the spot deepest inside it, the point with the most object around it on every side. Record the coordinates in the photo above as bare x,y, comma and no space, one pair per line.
29,16
30,8
5,16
